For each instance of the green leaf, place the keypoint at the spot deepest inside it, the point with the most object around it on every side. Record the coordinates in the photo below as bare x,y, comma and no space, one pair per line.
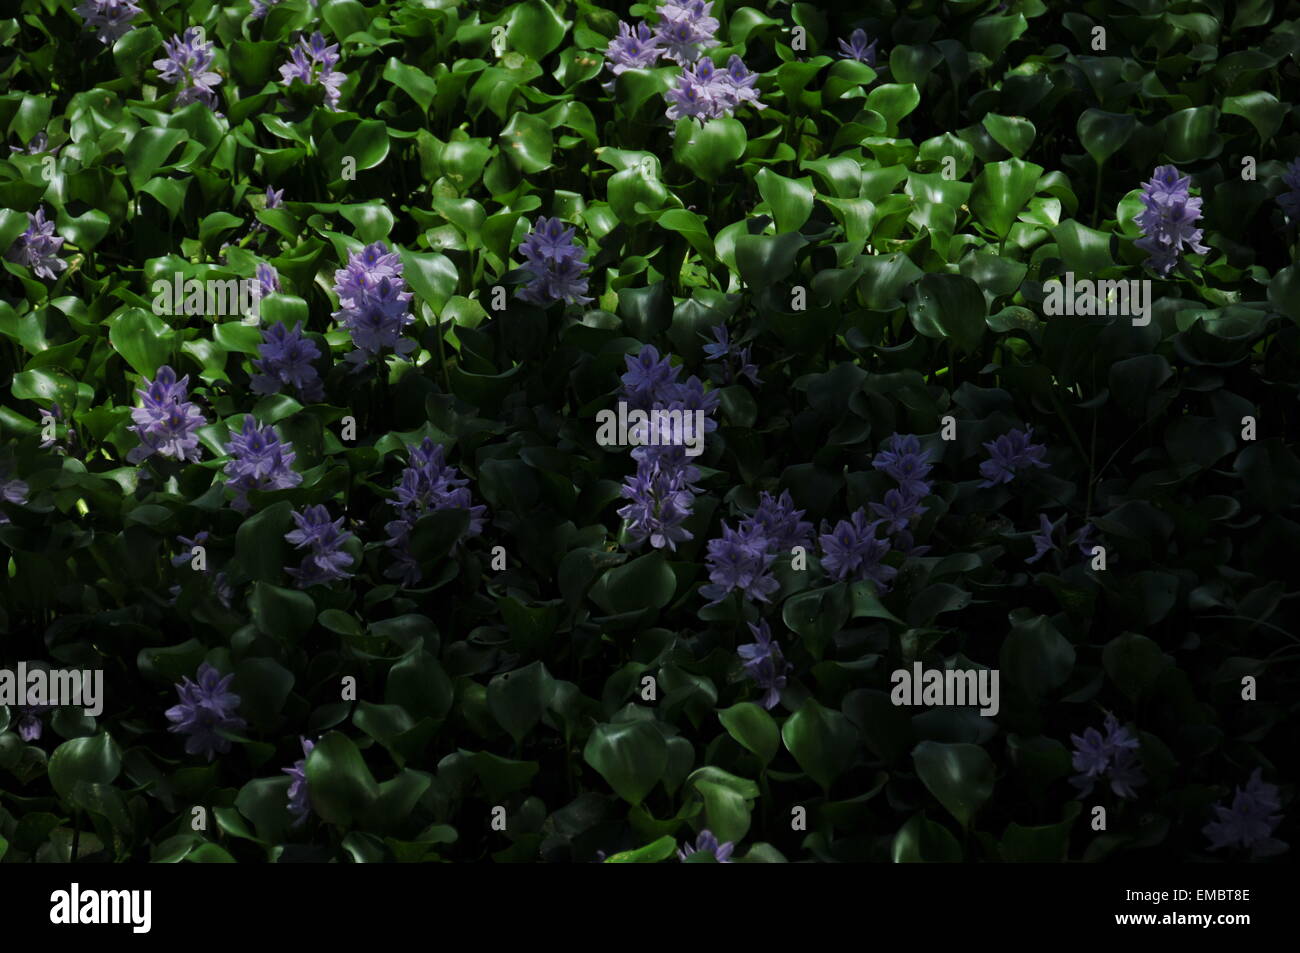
651,853
148,149
960,776
534,28
791,200
1013,133
631,756
951,307
339,783
1035,657
529,140
1103,133
431,275
822,740
644,582
923,841
517,699
753,728
94,760
1001,191
712,150
143,339
259,541
281,613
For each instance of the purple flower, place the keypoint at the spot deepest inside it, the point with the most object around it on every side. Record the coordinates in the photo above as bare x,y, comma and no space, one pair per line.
268,278
1289,202
325,561
13,491
428,484
1008,453
781,524
258,461
898,510
661,498
764,662
650,379
707,843
262,7
740,560
188,67
299,796
907,463
1251,820
1115,755
38,247
187,547
633,48
206,708
1168,218
312,61
374,304
740,366
685,30
1042,540
851,551
274,199
38,144
557,263
285,360
111,18
1085,540
29,723
166,421
704,92
857,48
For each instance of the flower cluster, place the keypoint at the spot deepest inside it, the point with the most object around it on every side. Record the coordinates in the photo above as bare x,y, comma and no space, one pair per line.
733,362
764,662
1168,219
38,247
428,484
1251,820
662,489
188,66
1114,755
312,62
374,304
112,18
1289,201
258,461
323,538
166,421
705,92
909,466
557,263
1044,543
207,707
741,560
286,360
29,724
1008,454
851,551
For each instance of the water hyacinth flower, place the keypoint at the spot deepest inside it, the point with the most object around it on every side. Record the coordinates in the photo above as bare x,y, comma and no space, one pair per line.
1168,218
739,561
286,361
857,48
852,552
312,62
685,30
1251,820
374,303
274,199
1289,202
1113,755
1042,540
206,707
705,92
29,724
907,463
166,421
111,18
661,499
735,362
268,278
186,554
1008,454
323,538
557,262
187,66
299,796
13,491
764,662
38,247
898,510
258,461
428,484
779,522
38,144
636,47
708,843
